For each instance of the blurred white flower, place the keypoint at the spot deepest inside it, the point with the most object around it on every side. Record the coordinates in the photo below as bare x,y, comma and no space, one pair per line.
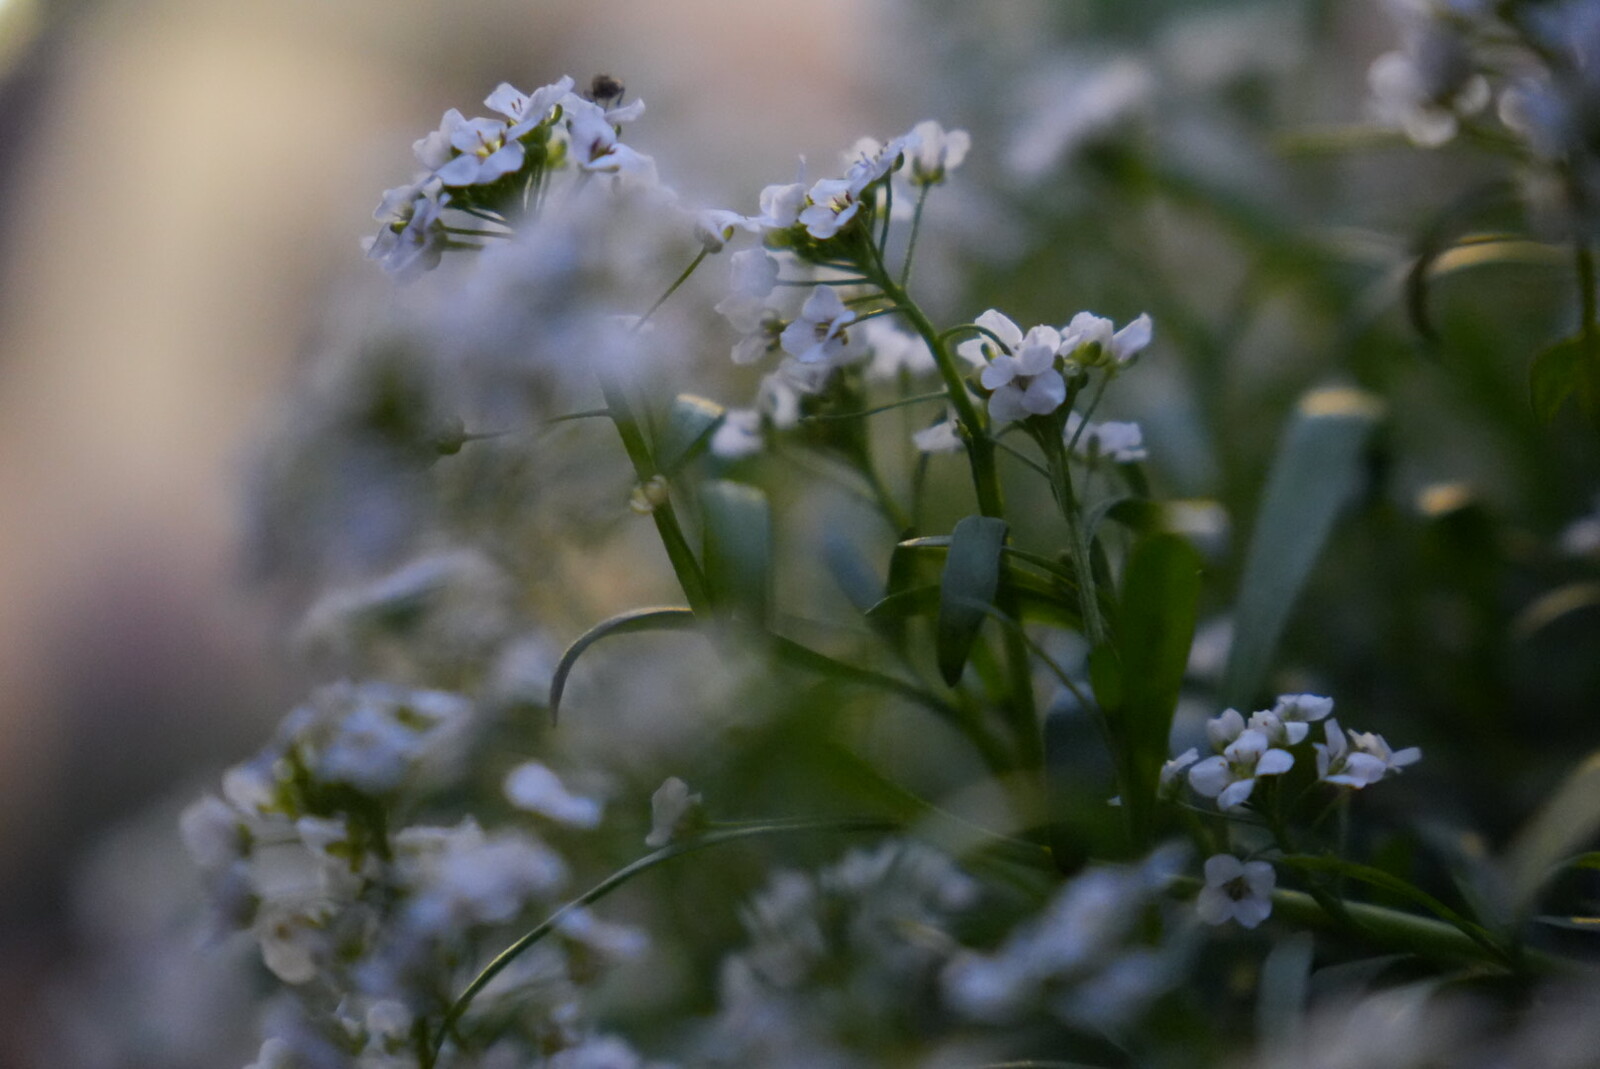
933,152
533,787
739,435
413,237
1236,891
673,811
527,110
1119,442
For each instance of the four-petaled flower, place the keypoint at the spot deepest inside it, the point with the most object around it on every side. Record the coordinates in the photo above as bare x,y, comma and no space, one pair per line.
821,334
1363,760
1236,891
1024,382
527,110
1091,340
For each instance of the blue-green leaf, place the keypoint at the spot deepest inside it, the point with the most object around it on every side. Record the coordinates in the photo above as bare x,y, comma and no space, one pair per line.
970,579
1316,472
1566,369
628,623
690,425
1566,822
738,548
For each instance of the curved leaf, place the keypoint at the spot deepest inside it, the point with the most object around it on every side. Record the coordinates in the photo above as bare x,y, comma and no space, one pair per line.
1569,819
628,623
1317,470
690,425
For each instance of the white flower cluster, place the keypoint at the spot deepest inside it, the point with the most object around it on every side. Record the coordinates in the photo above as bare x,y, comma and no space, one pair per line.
486,165
1026,373
1245,751
307,848
1081,957
842,953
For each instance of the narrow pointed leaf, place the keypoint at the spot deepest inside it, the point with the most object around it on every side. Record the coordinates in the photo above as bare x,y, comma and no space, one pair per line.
628,623
1569,820
971,575
738,548
1563,370
1316,472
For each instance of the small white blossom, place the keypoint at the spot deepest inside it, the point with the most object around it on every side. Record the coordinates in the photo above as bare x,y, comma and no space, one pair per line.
1425,87
1173,769
1246,753
933,152
895,350
821,334
673,810
1236,891
753,272
1297,712
534,787
1122,443
739,434
413,237
832,203
1026,383
1091,340
527,110
942,437
781,206
213,833
485,154
1362,761
714,227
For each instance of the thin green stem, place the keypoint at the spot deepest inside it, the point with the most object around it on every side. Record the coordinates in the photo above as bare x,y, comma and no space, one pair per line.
963,328
684,564
677,282
1007,447
921,398
612,883
911,245
1055,454
857,281
1094,403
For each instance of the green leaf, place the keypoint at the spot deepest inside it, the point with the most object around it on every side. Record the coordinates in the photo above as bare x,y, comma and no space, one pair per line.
1155,628
1569,819
690,424
1316,472
1051,568
1284,988
628,623
970,580
1564,370
738,548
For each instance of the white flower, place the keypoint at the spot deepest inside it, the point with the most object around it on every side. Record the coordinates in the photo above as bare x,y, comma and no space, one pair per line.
739,435
1247,753
1297,712
527,110
534,787
753,272
213,833
980,350
1119,442
781,206
1090,339
1026,383
942,437
820,335
1236,891
486,154
894,350
934,151
1362,761
1425,88
673,811
714,227
413,237
832,202
594,143
758,324
1171,770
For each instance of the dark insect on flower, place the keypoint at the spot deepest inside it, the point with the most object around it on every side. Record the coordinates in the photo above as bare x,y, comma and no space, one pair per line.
606,90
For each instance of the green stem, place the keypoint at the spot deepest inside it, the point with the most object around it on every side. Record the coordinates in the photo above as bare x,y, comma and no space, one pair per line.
677,282
911,245
830,417
1055,455
616,880
684,564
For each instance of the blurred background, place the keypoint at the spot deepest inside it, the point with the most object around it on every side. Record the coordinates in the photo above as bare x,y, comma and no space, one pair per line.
183,187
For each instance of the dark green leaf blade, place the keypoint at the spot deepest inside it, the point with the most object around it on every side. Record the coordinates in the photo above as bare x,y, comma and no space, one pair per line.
970,580
1316,472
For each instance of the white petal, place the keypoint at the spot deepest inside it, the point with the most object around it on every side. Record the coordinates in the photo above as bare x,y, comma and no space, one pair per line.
1002,327
1274,763
1045,393
1005,405
1210,776
1132,339
1221,868
1236,794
